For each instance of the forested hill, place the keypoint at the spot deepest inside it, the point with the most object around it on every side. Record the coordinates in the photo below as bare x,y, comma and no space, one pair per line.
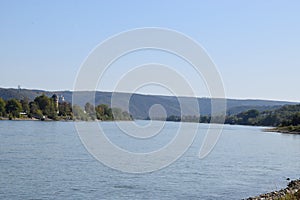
140,104
288,115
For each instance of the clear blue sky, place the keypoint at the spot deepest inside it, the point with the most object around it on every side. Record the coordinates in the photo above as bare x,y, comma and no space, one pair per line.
255,44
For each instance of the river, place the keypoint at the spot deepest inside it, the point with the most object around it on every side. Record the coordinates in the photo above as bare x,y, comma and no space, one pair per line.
46,160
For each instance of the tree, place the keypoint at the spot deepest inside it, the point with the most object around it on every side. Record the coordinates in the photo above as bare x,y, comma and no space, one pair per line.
119,114
174,118
103,112
35,111
126,116
25,105
13,108
248,117
100,109
2,108
271,119
90,110
296,119
65,109
232,119
47,106
204,119
44,103
79,113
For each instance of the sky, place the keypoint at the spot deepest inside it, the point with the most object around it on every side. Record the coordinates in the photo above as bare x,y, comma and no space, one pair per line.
255,45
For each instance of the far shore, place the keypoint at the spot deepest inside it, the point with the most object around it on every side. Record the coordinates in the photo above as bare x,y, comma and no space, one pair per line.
35,119
284,130
19,119
59,120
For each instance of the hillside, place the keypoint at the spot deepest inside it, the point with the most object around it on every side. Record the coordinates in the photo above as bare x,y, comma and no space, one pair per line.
139,104
287,117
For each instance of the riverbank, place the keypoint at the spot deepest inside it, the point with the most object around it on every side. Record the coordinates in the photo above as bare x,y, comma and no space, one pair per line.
291,192
60,120
20,119
285,129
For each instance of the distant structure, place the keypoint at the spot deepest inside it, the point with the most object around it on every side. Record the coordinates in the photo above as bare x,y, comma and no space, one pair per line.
55,99
19,93
61,99
19,89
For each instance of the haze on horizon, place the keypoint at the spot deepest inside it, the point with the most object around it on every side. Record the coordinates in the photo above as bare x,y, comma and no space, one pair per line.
255,45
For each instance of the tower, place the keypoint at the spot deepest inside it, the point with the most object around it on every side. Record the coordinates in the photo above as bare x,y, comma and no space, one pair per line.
55,100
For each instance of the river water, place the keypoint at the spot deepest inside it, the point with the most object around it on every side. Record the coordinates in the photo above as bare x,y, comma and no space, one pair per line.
46,160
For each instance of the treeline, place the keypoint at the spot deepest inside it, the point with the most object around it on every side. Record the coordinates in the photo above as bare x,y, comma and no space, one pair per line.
288,115
43,108
189,118
284,116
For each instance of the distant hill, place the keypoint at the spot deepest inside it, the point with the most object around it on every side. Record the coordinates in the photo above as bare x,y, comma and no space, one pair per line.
260,108
139,104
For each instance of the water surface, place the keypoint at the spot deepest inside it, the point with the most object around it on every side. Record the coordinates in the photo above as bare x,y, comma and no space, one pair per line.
46,160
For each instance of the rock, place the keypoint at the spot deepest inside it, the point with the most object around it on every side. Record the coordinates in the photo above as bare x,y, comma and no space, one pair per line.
293,188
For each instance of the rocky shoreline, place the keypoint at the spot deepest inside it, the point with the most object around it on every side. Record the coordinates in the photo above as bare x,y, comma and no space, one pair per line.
291,192
285,129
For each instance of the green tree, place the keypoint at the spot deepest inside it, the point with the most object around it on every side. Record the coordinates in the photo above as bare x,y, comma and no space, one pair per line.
90,110
35,111
103,112
126,116
271,119
79,113
248,117
231,119
13,108
204,119
174,118
119,114
296,119
44,103
2,108
47,106
25,105
65,109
